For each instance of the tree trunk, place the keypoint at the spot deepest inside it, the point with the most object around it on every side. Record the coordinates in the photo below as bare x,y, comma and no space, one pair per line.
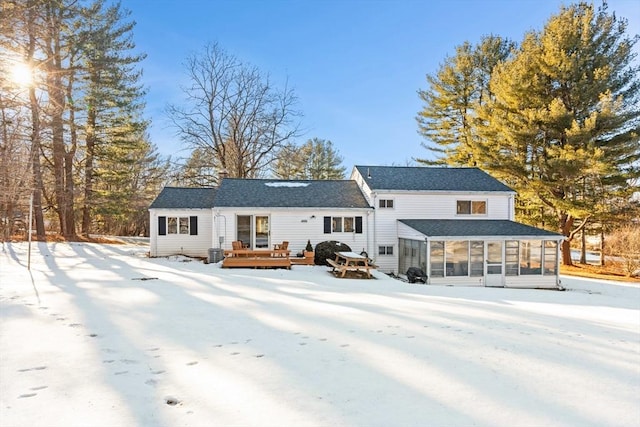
69,183
566,223
88,171
583,249
56,93
35,166
69,217
602,257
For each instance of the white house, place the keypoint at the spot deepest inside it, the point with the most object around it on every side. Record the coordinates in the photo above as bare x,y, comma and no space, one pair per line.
456,224
181,221
263,212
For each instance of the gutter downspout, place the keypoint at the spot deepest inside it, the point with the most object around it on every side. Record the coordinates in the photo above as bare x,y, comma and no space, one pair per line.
375,234
427,259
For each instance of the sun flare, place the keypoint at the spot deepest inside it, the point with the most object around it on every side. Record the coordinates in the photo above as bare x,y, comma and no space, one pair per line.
22,74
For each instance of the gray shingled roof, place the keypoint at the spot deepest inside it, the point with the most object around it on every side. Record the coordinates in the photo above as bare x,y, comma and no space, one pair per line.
476,227
289,194
184,198
429,179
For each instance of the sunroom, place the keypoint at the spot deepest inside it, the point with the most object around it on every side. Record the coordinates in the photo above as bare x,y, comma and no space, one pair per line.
492,253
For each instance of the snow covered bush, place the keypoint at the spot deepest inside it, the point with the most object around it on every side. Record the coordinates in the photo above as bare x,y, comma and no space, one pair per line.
326,250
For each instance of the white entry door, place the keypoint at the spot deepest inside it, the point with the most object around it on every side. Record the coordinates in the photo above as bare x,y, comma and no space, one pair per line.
494,273
253,231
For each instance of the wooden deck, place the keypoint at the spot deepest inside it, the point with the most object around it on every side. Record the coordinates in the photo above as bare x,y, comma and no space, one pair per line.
302,261
246,258
256,262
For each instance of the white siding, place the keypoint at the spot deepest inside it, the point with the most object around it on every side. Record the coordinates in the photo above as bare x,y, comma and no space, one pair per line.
185,244
293,225
534,281
418,205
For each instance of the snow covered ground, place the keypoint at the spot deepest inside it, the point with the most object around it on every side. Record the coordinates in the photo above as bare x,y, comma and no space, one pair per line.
100,335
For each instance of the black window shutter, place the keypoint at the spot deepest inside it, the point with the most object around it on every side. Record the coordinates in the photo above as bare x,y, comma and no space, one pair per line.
193,225
162,226
327,225
359,224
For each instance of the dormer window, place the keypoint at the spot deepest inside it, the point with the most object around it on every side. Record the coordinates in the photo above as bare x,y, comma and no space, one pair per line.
471,207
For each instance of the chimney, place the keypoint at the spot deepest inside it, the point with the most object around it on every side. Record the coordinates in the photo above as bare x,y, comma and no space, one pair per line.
222,174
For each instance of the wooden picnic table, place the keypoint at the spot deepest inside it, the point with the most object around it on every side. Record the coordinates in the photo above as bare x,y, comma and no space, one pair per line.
350,261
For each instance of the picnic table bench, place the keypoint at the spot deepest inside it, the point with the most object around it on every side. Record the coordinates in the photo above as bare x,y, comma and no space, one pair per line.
350,262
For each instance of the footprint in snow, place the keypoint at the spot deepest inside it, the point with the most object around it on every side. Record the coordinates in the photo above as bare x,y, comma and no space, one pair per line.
128,361
22,396
42,387
192,363
75,325
121,373
37,368
158,372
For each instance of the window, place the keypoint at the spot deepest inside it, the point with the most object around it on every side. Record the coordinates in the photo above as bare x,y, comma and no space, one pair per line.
457,255
348,224
511,258
386,203
172,225
178,225
477,258
530,257
184,225
385,250
338,224
437,259
550,256
471,207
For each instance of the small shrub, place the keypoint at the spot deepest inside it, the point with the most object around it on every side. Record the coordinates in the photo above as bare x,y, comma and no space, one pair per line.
326,250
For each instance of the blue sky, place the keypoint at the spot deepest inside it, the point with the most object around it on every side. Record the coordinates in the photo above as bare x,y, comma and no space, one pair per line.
355,65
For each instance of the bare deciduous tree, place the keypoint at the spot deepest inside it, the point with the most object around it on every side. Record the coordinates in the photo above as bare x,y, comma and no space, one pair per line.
232,110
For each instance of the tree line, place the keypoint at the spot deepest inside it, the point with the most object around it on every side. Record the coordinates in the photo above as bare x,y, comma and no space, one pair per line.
556,117
73,136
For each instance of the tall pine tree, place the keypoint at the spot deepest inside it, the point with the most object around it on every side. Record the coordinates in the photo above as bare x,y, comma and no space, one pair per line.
449,119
